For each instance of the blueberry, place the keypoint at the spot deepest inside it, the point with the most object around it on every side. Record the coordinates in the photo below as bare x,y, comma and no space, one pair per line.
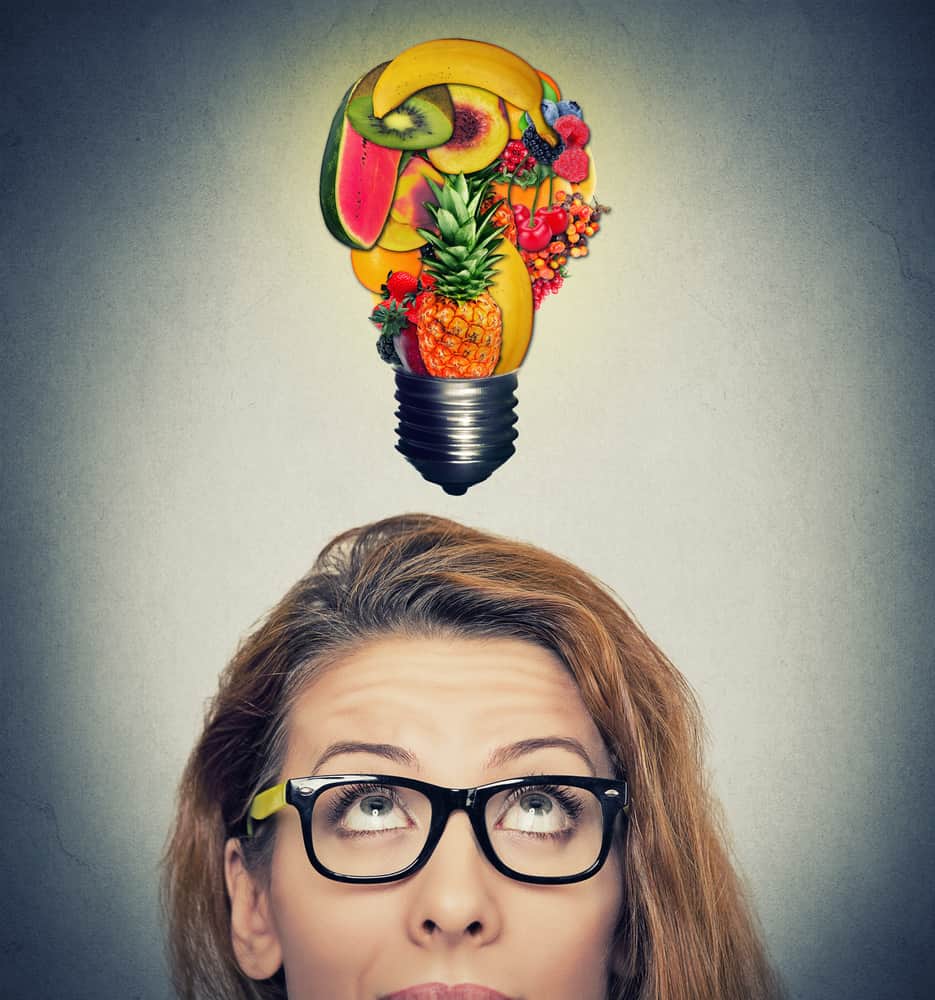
550,112
569,108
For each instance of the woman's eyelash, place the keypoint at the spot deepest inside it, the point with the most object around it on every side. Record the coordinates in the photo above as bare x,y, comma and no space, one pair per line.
349,794
562,796
346,796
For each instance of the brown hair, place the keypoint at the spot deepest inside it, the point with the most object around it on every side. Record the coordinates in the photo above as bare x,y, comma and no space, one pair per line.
685,931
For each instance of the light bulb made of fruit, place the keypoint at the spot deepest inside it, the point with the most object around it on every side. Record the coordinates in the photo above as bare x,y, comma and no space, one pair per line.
435,174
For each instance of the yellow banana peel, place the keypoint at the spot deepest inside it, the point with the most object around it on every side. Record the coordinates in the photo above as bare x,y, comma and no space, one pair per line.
462,60
512,292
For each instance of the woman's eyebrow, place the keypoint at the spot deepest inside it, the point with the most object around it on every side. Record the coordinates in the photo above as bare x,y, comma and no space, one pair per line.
513,751
399,755
502,755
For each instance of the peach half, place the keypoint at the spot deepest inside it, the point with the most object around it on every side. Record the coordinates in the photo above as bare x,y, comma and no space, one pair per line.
481,130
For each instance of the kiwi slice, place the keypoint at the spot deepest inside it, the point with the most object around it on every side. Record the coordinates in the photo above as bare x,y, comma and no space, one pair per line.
424,120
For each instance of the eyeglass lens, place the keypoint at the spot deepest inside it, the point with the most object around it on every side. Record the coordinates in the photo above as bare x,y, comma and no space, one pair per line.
368,830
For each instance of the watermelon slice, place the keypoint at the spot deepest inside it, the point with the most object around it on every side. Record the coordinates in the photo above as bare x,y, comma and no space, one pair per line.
358,183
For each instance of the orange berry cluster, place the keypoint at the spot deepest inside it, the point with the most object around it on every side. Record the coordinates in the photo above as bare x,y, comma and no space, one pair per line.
548,262
548,268
583,223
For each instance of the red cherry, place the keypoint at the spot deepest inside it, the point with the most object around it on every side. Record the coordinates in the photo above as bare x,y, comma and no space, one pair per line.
521,214
536,236
555,216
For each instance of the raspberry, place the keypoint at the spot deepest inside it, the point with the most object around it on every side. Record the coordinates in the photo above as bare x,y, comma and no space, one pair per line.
573,130
572,164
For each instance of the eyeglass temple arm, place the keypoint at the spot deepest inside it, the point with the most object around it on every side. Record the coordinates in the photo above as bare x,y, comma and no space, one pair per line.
265,804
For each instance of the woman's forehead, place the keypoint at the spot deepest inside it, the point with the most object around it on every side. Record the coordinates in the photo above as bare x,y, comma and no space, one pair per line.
452,698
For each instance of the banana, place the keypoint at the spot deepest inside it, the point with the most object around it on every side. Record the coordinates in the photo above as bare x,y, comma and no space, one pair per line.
512,292
462,60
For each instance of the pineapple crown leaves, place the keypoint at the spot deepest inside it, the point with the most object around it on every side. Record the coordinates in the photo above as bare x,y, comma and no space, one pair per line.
480,180
464,261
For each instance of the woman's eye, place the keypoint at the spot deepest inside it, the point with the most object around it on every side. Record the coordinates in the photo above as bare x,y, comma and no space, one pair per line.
375,811
535,811
376,805
535,804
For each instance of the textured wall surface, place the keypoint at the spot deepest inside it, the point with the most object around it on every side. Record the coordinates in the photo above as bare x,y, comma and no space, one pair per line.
727,415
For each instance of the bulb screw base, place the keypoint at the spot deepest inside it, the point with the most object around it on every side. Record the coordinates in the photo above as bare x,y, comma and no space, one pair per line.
456,432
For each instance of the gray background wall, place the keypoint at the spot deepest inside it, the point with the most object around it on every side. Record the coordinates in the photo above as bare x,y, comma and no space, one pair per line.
727,415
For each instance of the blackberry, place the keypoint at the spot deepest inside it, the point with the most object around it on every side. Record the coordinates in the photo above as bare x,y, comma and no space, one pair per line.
387,350
539,148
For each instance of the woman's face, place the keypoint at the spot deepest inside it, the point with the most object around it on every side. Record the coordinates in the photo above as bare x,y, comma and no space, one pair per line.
440,711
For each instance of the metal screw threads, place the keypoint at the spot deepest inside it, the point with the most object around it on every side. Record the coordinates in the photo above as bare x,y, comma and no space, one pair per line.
456,432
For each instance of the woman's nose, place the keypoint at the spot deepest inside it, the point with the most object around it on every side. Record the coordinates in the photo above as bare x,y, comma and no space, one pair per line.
455,898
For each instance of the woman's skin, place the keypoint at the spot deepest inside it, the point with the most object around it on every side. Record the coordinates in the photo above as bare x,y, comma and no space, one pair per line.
450,705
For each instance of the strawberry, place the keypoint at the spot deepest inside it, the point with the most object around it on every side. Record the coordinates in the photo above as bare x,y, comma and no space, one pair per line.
400,284
389,316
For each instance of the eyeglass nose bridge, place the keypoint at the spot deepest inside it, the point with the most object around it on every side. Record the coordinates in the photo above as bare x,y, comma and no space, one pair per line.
458,800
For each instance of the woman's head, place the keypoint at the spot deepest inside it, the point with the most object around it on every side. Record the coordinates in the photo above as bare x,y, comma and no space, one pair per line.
422,649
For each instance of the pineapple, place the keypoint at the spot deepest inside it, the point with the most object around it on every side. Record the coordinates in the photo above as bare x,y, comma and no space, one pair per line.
459,324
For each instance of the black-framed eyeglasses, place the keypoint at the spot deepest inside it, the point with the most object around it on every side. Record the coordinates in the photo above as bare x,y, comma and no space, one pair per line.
371,828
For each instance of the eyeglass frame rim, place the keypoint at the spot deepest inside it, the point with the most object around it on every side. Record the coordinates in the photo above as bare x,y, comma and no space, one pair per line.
302,793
